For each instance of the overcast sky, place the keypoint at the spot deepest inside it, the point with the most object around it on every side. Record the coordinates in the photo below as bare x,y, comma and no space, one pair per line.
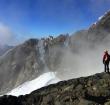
23,19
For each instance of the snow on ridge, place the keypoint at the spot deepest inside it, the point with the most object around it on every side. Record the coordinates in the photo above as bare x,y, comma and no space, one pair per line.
98,20
104,15
100,17
43,80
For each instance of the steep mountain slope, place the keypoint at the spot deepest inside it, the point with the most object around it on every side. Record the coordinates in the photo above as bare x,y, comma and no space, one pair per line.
98,35
16,66
92,90
100,31
28,61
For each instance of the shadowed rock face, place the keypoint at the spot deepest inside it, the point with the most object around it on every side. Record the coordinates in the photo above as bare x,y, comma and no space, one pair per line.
92,90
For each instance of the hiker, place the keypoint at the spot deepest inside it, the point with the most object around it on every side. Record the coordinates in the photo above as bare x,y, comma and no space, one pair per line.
106,60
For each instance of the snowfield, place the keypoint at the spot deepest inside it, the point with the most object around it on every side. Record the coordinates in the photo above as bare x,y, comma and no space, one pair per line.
43,80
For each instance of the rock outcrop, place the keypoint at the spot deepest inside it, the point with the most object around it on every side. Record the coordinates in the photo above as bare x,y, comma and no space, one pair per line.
92,90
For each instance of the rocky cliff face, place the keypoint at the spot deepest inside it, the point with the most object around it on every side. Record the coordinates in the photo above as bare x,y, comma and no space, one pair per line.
28,61
17,65
92,90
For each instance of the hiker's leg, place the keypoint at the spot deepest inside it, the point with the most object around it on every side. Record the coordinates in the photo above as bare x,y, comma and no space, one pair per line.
105,67
108,66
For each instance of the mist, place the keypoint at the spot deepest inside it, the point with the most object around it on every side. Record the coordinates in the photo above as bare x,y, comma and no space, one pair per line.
5,34
86,59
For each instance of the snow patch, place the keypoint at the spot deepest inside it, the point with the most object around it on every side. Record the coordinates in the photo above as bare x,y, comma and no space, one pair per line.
43,80
103,15
100,17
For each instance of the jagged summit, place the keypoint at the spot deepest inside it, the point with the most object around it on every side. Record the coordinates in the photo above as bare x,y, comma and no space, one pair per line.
92,90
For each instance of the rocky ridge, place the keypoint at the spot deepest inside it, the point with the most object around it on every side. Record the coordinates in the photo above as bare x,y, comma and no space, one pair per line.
92,90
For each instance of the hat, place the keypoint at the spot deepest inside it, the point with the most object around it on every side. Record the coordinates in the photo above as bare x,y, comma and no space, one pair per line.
106,51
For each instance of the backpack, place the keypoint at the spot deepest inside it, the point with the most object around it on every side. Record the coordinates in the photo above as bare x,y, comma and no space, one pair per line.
107,58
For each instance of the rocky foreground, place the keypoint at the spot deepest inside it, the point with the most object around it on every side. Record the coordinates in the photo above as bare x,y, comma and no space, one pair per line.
92,90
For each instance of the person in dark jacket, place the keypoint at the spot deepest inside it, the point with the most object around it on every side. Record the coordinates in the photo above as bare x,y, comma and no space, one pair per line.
106,60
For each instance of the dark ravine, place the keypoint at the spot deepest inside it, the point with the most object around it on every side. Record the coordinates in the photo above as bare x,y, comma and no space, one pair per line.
92,90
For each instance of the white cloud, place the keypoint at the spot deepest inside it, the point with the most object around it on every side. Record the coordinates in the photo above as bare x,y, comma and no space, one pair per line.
6,35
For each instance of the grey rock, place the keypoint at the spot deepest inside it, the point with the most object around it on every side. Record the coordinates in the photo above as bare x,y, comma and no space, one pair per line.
71,92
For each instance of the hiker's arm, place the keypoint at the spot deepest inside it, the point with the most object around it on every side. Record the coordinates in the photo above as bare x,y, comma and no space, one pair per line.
103,59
